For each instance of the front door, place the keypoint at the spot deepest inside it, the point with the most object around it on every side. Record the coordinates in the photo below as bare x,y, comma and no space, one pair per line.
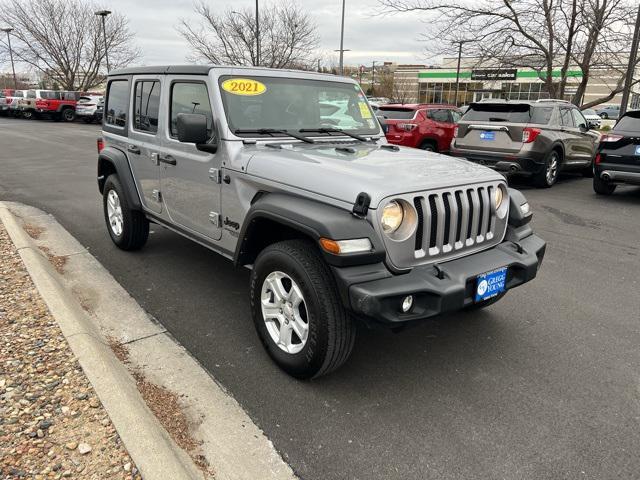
143,141
190,179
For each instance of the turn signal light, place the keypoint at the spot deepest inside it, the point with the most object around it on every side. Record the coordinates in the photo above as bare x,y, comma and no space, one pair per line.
100,144
343,247
407,127
529,134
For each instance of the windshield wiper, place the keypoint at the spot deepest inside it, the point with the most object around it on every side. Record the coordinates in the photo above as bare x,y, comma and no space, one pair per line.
272,131
333,130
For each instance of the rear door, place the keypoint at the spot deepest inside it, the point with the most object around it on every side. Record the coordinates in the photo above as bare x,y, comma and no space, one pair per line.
441,126
493,127
570,135
585,144
143,142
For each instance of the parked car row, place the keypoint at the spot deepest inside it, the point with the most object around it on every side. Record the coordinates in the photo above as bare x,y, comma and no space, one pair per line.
57,105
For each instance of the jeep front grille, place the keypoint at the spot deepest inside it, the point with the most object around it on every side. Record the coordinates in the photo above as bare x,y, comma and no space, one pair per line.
450,223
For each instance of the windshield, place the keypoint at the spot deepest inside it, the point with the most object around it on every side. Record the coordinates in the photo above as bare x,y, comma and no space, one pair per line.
511,113
254,103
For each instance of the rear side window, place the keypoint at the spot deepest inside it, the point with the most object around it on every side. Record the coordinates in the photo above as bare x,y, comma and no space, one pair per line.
146,106
439,115
397,113
628,123
190,97
566,119
117,100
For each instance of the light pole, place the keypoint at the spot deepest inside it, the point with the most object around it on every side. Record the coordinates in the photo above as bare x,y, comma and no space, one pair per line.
459,42
104,14
342,40
633,55
257,36
13,68
373,79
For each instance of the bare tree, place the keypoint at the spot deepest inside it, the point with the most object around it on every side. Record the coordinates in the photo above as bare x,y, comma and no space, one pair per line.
288,37
538,34
63,40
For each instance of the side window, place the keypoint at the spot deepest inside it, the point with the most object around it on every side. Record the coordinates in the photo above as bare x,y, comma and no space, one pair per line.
117,100
146,106
438,115
578,118
566,119
190,97
455,116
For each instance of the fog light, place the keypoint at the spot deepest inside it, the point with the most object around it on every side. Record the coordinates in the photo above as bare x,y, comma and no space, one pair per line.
407,303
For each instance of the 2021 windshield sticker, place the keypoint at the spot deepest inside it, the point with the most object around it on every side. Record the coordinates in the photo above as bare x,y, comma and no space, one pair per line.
244,86
364,110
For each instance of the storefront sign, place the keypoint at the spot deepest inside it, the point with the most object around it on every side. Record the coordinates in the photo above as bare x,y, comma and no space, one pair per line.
494,74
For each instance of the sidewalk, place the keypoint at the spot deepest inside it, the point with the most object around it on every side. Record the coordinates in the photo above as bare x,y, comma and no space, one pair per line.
52,424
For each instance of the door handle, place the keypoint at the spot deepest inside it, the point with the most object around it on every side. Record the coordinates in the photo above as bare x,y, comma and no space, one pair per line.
133,149
169,160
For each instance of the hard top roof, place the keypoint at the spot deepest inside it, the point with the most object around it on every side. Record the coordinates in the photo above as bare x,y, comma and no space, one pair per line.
199,70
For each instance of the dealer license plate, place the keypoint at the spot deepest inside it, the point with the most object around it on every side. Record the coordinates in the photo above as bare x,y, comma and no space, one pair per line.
490,284
490,136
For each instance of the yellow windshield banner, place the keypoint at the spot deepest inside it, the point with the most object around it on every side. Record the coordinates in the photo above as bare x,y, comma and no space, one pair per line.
243,86
364,110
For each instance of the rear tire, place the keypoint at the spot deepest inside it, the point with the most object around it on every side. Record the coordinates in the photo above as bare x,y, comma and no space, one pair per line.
297,310
601,187
429,146
548,176
129,229
68,114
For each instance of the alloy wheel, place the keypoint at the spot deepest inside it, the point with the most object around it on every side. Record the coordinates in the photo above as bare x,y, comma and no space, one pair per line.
552,169
284,312
114,212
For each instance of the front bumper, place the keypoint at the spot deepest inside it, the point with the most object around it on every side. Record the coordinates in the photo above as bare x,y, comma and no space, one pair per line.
379,299
507,164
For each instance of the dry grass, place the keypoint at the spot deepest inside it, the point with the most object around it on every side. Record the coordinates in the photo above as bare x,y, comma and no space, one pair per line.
165,405
58,261
33,231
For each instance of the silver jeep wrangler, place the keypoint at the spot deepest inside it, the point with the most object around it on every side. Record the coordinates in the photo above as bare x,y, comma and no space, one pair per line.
288,173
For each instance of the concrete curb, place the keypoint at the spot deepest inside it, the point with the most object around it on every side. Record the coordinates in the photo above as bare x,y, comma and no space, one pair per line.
90,306
150,446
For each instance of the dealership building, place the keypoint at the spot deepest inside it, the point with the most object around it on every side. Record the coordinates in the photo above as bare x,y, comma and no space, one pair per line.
438,84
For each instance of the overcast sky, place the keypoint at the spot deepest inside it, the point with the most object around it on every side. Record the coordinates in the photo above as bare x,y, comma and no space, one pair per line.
389,38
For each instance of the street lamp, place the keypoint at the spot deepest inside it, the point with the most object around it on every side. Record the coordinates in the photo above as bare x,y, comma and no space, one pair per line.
13,68
104,14
459,42
257,36
342,50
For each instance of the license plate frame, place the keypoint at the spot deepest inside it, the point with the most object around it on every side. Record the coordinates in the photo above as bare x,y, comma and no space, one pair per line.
490,284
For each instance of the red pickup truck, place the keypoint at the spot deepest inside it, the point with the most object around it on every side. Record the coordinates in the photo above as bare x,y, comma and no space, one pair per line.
60,105
426,126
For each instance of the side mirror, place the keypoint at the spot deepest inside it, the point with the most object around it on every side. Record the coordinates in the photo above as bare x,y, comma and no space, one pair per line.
583,127
192,128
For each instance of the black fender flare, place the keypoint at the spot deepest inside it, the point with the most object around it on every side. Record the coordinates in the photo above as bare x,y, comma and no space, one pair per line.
112,160
64,107
310,218
516,217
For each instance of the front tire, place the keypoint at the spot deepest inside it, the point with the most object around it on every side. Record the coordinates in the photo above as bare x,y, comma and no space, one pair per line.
601,187
548,176
128,229
297,310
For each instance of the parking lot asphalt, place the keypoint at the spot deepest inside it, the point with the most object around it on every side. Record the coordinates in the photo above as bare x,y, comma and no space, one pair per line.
543,385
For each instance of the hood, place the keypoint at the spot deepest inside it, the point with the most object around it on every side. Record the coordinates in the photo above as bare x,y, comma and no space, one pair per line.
380,172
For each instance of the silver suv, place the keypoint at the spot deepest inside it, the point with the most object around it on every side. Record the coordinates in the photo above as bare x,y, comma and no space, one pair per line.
335,224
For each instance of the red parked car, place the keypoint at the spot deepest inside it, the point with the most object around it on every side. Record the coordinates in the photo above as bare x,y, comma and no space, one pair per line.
61,105
421,125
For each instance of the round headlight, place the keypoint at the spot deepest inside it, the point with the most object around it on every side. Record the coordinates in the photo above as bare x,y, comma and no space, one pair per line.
392,216
498,197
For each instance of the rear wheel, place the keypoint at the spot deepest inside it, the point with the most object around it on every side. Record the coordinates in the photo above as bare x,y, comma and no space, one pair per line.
27,114
129,229
297,311
601,187
604,115
548,176
429,146
68,114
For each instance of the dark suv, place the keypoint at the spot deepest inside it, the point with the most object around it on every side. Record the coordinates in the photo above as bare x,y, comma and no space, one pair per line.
618,158
537,139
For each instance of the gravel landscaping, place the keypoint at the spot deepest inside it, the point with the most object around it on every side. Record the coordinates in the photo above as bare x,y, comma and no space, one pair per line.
52,424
